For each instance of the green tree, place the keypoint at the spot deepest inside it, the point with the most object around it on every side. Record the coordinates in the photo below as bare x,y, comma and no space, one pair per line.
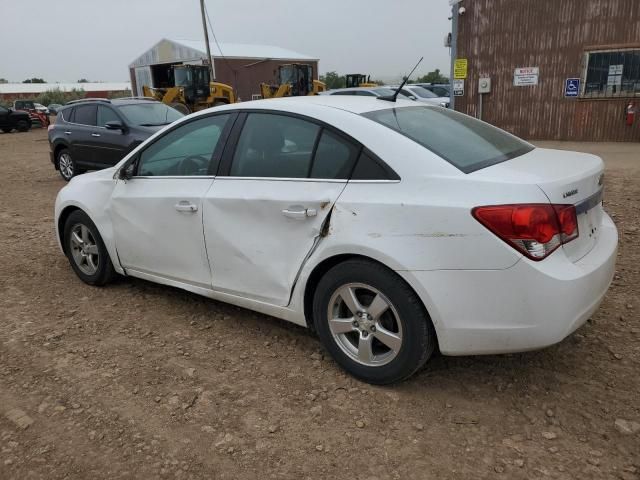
4,80
433,77
333,80
34,80
83,80
58,96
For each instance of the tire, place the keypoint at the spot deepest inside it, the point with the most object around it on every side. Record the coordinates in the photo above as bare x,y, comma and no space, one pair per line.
23,126
7,130
86,251
404,325
67,165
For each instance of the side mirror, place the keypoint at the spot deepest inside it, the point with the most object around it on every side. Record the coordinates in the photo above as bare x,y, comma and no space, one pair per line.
126,173
114,125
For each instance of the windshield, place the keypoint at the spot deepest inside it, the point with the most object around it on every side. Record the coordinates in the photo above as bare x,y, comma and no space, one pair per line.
463,141
149,114
422,92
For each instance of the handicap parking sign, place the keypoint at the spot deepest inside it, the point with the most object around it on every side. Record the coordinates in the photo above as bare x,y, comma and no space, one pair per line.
571,87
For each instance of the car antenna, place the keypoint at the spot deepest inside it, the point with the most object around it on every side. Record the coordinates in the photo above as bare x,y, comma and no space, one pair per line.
392,98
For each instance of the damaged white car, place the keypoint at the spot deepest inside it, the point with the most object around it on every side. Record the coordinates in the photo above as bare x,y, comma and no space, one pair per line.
390,228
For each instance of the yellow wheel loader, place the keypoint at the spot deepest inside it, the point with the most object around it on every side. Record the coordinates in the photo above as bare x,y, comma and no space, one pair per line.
189,89
294,80
359,80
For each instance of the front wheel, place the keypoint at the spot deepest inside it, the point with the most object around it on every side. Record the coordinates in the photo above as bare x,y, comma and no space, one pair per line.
372,322
23,126
7,130
86,251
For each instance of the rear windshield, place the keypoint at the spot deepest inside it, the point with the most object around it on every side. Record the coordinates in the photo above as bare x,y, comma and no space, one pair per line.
463,141
422,92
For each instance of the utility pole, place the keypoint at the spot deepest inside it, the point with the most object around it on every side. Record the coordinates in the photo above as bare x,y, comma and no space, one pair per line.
454,48
212,69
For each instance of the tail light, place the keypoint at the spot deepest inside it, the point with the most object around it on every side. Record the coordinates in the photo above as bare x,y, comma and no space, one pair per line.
50,127
536,230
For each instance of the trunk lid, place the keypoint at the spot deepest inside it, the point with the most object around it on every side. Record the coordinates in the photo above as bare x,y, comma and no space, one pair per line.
570,178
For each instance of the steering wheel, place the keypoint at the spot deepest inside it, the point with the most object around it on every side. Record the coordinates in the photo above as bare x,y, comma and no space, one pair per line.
192,165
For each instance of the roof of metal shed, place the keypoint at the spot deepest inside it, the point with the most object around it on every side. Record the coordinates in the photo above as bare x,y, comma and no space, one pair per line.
169,50
17,88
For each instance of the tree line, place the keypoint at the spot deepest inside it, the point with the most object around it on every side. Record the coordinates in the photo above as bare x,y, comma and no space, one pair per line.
335,80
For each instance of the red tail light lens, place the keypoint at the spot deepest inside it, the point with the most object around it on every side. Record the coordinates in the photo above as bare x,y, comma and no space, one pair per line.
536,230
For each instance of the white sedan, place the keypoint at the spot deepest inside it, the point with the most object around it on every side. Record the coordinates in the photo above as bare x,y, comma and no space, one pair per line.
388,227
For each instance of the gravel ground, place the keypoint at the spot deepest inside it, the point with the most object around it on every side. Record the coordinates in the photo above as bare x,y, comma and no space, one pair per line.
137,380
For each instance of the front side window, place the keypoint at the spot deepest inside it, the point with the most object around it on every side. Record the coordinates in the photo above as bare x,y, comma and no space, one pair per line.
273,145
463,141
149,114
106,114
85,115
185,151
612,74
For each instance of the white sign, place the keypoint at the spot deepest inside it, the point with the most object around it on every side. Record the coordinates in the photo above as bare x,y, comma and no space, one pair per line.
523,77
614,80
615,69
458,88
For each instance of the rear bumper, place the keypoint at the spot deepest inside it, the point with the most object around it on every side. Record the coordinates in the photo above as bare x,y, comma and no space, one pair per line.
528,306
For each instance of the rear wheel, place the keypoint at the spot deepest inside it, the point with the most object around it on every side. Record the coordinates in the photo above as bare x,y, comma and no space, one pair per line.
23,126
67,165
86,250
7,130
372,322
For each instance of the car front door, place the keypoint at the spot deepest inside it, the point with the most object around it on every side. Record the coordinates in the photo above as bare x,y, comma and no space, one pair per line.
157,214
267,207
110,145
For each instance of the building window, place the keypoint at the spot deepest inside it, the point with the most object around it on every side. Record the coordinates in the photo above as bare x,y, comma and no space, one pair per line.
614,73
256,96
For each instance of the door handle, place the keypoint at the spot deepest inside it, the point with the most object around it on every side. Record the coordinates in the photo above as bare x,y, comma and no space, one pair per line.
67,132
186,207
95,134
299,213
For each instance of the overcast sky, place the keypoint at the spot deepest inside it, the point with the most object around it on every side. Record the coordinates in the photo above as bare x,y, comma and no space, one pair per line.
65,40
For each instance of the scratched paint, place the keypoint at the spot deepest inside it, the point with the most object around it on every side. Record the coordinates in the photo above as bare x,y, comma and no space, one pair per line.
497,36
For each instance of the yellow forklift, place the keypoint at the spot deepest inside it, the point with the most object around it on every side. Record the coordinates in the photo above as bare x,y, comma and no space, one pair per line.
294,80
359,80
188,88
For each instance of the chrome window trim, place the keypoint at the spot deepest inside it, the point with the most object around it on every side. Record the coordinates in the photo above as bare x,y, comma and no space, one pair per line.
192,177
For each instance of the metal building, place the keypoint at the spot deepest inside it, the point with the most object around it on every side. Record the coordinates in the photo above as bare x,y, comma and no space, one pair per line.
556,69
242,66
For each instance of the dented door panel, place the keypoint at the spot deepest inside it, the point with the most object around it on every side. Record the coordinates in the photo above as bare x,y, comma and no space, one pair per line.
258,232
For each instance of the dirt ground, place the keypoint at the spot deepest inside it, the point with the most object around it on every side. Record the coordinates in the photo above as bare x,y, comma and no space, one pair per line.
136,380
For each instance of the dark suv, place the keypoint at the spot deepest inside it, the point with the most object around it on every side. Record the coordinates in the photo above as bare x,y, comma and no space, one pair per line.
10,119
92,134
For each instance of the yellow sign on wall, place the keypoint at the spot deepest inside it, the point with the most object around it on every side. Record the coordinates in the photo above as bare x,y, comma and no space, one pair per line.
460,68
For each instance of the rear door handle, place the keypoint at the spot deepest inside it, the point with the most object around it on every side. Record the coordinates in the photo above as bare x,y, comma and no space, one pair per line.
95,134
299,213
186,207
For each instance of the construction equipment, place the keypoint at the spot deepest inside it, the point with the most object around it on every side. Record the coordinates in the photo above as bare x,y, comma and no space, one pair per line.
359,80
189,89
294,80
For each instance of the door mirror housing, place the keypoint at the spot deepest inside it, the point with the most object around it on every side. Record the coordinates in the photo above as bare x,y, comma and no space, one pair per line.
114,125
126,172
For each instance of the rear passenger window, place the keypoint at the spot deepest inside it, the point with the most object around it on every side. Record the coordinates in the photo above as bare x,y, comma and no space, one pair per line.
368,168
334,157
273,145
85,115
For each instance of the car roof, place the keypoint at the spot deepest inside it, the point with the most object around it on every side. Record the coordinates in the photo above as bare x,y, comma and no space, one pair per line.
350,103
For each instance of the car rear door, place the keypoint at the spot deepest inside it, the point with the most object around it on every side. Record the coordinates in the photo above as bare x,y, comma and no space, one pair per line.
78,131
157,214
267,207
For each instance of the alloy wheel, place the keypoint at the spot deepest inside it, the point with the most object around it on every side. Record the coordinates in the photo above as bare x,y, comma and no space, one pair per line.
365,324
84,249
66,165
